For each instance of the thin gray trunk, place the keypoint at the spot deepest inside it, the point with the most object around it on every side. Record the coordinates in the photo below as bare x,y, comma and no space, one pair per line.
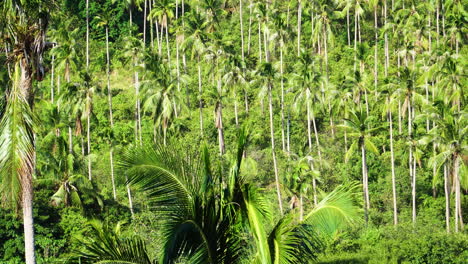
130,200
457,194
282,96
413,192
250,26
272,135
87,34
52,80
28,221
144,23
316,135
70,140
111,118
167,42
347,27
447,198
200,92
301,207
392,157
365,183
299,17
386,40
376,28
88,138
241,28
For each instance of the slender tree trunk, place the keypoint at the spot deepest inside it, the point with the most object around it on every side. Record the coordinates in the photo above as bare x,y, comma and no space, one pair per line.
282,97
88,137
236,115
316,135
200,92
158,41
347,27
272,134
28,220
111,117
458,217
241,28
376,28
387,55
413,191
288,125
144,22
259,43
365,183
70,140
130,200
138,135
87,35
299,17
447,198
167,42
52,80
301,207
219,122
392,157
250,26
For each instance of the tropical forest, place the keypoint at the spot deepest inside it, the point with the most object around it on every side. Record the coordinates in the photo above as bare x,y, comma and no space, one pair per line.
233,131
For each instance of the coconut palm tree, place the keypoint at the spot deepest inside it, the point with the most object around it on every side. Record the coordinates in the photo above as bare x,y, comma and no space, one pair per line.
359,128
267,75
309,81
450,132
24,26
160,92
104,22
197,30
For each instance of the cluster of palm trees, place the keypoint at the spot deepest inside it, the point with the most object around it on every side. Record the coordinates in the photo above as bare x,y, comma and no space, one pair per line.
297,56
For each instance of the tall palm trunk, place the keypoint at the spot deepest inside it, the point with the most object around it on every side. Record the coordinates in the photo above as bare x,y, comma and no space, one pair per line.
272,134
458,217
250,27
392,157
347,27
88,135
87,34
52,80
241,29
111,117
376,28
144,23
365,182
129,195
282,96
413,191
219,122
200,92
447,198
299,17
28,220
27,192
387,55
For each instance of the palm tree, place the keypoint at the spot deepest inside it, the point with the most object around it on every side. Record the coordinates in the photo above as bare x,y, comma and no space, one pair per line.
309,81
267,74
133,49
358,126
163,10
161,93
24,25
197,27
17,158
450,133
104,22
234,77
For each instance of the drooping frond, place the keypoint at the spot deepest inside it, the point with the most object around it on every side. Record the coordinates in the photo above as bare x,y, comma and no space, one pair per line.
105,245
335,210
16,145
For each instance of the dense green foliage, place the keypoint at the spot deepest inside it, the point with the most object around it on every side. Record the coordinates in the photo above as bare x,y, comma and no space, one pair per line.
142,151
